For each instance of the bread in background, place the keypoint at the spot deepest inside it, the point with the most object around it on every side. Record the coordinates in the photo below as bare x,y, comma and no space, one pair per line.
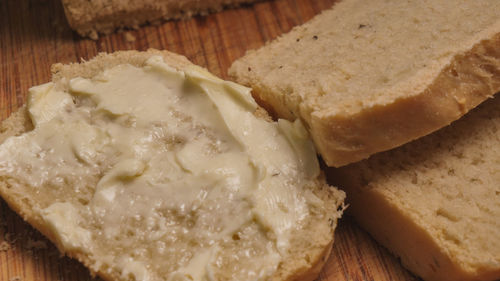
90,18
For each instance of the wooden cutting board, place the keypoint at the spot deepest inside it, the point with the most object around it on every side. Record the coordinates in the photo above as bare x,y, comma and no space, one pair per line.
34,34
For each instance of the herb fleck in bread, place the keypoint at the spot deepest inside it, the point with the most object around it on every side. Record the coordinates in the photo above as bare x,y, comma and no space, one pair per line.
435,202
89,18
367,76
140,236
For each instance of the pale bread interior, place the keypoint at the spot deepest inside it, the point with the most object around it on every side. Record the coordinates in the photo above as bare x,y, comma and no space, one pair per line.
435,202
370,76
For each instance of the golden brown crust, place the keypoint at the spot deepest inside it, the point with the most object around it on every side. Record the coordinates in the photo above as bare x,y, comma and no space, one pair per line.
320,238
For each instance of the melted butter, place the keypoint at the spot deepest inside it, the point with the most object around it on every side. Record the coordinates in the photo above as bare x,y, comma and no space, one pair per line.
44,103
179,162
63,220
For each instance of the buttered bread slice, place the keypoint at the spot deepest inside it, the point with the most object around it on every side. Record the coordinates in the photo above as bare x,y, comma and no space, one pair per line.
367,76
435,202
146,167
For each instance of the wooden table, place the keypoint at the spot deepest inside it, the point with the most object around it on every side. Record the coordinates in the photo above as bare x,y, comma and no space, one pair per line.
34,34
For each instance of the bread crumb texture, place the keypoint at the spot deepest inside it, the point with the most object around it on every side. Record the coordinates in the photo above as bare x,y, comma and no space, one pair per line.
435,202
367,76
89,18
127,217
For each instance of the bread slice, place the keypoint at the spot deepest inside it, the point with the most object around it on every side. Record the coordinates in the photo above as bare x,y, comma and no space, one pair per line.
89,18
435,202
185,212
367,76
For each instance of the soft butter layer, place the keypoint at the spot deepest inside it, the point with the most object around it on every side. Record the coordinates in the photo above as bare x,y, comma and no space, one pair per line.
162,174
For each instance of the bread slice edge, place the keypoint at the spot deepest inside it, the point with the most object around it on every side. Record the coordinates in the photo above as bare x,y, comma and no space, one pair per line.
384,190
90,22
342,139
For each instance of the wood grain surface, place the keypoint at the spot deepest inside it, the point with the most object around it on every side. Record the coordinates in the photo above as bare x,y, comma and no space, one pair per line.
34,34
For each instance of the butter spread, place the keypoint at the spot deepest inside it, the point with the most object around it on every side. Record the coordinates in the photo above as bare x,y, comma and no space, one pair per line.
162,172
63,220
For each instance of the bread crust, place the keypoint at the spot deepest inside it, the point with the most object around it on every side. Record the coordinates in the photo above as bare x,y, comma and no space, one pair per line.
434,97
433,240
89,18
384,127
319,232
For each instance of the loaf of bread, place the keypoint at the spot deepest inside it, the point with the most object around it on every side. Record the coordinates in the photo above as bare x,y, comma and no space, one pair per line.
89,18
435,202
145,167
367,76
